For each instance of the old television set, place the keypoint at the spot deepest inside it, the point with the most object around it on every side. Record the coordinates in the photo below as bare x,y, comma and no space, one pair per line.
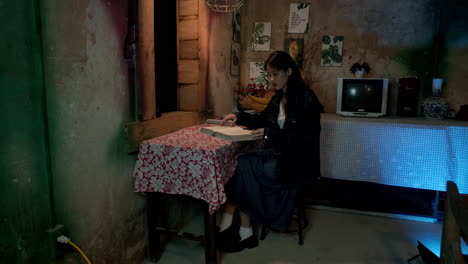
362,97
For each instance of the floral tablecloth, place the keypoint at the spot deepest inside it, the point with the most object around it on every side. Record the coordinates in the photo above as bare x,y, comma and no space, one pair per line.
187,162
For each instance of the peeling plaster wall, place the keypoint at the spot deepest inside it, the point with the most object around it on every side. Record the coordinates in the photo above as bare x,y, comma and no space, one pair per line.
454,52
88,105
220,82
374,31
397,38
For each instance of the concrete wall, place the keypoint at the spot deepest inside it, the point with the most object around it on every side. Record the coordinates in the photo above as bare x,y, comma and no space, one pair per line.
397,38
221,96
88,105
454,52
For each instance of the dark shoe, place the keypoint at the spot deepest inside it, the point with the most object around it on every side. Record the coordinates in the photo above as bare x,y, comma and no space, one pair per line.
228,236
231,231
250,242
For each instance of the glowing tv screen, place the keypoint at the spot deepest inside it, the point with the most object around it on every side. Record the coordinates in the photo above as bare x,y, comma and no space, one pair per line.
363,97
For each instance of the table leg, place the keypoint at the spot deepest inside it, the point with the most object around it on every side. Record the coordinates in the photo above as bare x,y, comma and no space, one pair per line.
210,237
435,206
153,213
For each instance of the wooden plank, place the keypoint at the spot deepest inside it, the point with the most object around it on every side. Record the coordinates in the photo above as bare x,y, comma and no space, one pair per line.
145,58
188,29
188,17
137,132
188,49
203,35
188,97
188,7
188,71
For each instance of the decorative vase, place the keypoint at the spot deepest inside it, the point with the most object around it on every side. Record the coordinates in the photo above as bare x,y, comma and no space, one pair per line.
436,107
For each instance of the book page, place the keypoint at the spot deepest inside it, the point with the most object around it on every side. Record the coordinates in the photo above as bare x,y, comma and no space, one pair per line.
215,121
228,133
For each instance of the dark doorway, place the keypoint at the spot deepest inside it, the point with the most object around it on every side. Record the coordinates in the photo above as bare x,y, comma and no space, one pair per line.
165,49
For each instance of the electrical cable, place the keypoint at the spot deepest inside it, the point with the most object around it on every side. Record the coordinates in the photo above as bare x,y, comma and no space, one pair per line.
64,239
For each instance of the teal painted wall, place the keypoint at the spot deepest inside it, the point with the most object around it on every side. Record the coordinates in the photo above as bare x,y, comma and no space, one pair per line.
25,213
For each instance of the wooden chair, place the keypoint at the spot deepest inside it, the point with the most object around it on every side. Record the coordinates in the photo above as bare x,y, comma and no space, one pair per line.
301,219
455,225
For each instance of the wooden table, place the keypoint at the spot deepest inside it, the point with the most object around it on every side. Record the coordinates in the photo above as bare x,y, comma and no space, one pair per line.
191,163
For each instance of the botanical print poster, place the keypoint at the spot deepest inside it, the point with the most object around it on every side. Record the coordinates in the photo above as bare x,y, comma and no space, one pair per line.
257,74
332,50
261,36
235,53
236,26
295,48
299,18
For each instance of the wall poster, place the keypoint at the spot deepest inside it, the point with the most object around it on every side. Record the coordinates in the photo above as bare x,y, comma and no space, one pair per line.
236,26
295,48
235,54
257,73
298,18
332,51
261,36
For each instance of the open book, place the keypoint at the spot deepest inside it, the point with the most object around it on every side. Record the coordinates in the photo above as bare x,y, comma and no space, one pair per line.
217,121
228,133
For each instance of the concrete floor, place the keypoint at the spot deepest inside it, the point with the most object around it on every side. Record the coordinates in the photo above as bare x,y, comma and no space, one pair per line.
342,237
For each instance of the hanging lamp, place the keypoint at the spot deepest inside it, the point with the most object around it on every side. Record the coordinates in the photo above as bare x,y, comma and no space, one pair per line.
224,5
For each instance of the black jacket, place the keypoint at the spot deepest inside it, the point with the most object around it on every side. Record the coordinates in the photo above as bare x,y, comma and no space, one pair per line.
298,143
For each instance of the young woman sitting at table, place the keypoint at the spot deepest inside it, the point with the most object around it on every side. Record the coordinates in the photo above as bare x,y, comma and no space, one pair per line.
263,188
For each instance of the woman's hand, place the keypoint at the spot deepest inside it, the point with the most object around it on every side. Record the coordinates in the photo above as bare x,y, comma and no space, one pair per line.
258,133
230,117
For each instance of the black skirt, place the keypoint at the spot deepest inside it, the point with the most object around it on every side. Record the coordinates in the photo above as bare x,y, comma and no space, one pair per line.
256,190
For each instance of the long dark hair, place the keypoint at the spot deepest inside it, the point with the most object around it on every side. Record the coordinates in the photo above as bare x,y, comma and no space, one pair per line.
296,85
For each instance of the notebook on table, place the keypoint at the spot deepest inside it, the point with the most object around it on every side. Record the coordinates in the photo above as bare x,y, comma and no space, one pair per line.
228,133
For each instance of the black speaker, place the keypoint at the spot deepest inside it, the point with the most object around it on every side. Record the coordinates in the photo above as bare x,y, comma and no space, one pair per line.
408,92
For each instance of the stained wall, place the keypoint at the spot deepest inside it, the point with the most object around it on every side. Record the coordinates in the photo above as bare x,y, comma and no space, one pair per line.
88,104
84,98
420,38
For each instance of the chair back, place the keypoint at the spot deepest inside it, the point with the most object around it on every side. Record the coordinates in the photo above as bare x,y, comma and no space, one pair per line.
455,225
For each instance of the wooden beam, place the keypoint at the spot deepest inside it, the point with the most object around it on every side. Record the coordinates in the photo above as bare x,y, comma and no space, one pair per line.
203,44
145,58
137,132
